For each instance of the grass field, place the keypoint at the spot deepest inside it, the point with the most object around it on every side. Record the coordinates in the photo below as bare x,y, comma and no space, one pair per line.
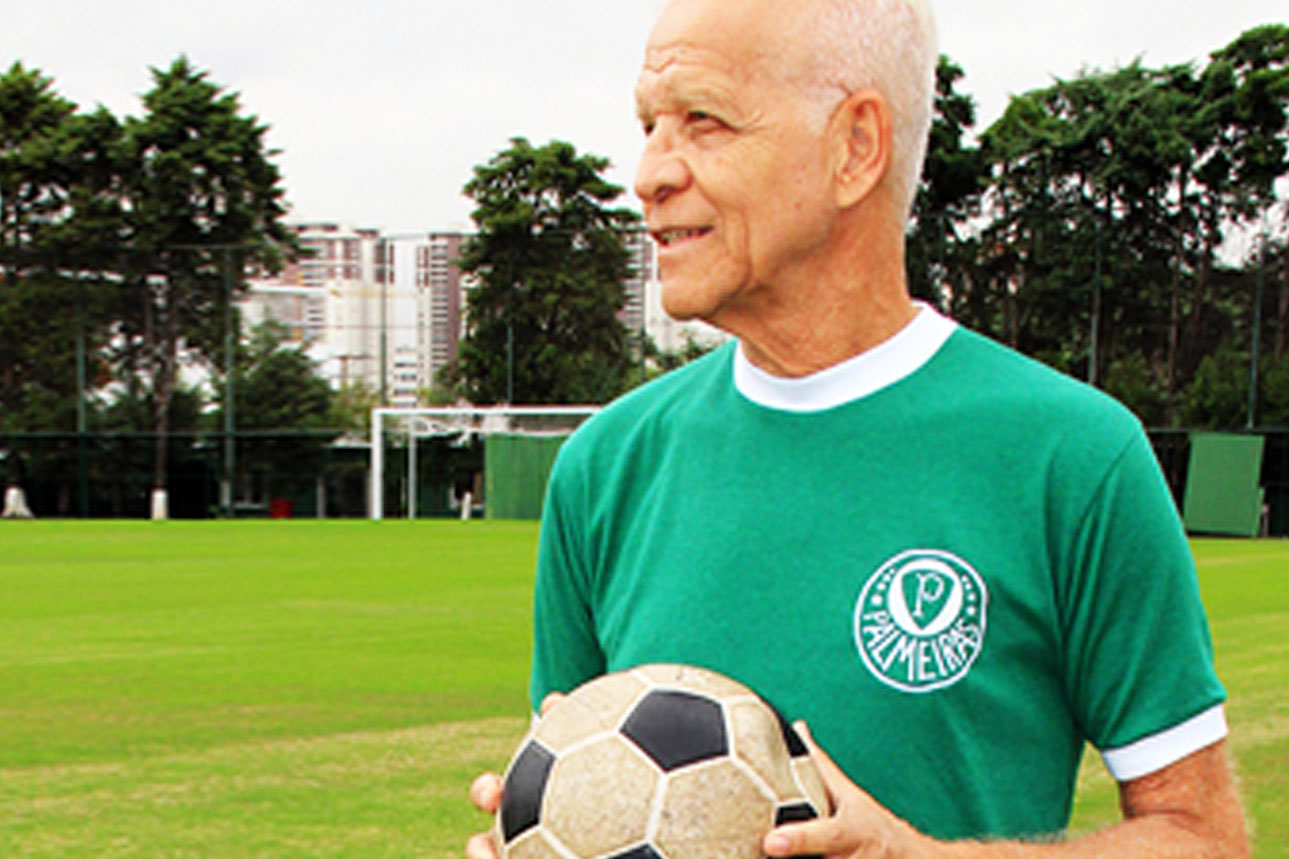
330,688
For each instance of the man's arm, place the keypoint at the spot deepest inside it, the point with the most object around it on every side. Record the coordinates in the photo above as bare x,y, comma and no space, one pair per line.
1187,809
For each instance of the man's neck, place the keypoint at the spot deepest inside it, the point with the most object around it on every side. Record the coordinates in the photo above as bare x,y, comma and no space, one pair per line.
855,301
804,346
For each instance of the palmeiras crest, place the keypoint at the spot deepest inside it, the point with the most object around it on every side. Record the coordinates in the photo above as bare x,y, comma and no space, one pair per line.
920,620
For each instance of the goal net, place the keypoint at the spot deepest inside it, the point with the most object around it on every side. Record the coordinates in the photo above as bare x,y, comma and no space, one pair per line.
463,460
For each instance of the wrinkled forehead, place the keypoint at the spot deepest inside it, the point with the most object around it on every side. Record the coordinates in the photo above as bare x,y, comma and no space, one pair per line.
752,34
719,45
682,80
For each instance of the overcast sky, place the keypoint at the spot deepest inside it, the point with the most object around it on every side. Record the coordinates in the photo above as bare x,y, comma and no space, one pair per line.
381,107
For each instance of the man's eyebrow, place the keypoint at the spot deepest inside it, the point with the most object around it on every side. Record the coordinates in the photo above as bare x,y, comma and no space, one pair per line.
681,95
643,113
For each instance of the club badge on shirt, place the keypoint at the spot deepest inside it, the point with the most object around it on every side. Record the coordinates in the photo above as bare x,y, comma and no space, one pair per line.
920,620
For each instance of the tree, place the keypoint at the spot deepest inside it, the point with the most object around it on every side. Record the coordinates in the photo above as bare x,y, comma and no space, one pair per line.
1132,381
204,202
351,408
1218,396
550,264
123,456
939,248
1139,174
1076,191
276,387
1240,153
54,194
58,215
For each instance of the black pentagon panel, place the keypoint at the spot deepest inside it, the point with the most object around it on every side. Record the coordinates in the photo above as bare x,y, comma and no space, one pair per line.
521,800
644,851
798,812
677,728
796,745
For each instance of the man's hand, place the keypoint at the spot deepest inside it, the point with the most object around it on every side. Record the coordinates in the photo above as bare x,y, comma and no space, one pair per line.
485,793
858,826
1189,808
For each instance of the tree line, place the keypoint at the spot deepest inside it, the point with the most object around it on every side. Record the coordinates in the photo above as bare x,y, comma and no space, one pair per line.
1126,226
1123,226
124,245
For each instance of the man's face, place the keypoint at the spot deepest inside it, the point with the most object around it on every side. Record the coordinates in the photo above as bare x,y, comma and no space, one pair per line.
733,178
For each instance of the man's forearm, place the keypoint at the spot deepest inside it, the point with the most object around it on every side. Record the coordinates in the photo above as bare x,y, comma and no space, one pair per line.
1190,809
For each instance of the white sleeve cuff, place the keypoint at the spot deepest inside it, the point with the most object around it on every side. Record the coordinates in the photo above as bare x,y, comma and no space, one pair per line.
1153,753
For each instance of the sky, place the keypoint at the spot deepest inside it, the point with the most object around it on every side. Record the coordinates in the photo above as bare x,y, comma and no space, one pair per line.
380,108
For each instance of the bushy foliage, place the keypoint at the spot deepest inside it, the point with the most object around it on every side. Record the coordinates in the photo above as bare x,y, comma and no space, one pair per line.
550,265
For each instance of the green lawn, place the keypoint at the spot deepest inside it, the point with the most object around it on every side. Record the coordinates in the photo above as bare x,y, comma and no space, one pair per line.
330,688
1246,591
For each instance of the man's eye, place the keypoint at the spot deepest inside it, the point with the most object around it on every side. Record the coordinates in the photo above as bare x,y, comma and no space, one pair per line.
703,123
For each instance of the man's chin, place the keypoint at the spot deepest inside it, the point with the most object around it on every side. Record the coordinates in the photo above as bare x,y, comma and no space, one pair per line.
685,304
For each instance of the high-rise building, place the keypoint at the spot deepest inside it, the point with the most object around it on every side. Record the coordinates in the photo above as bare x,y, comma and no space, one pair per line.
351,271
439,302
642,269
301,310
390,312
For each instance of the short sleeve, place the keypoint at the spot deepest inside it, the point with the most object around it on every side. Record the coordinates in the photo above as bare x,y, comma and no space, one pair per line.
566,651
1138,656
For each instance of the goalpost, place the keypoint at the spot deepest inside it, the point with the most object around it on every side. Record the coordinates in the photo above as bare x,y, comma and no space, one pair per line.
462,422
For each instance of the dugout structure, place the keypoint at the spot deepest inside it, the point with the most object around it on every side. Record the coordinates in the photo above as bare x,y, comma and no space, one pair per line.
1223,495
519,447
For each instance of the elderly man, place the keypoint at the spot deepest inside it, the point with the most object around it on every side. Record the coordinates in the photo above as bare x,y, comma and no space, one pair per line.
954,564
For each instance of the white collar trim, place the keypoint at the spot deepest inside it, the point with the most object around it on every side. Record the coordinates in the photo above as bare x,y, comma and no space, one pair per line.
861,376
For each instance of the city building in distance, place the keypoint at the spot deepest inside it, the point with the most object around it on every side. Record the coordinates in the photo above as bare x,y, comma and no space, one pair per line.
389,312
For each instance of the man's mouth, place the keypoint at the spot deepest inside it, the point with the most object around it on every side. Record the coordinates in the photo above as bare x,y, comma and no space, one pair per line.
667,238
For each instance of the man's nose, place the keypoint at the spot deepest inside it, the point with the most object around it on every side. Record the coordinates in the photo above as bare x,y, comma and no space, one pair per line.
663,169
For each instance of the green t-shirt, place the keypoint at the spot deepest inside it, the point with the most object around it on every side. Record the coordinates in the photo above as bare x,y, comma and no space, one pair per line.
954,563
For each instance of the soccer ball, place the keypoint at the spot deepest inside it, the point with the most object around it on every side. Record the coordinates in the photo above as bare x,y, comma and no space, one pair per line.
657,762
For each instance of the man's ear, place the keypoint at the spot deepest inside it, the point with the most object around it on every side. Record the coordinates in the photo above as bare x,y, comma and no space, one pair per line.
862,135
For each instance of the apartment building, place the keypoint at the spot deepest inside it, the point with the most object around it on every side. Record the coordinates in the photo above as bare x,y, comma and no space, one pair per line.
440,302
643,269
390,312
338,299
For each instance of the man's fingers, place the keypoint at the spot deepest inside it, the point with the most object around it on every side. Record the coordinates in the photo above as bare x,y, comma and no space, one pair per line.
485,792
834,779
551,700
822,836
817,837
480,847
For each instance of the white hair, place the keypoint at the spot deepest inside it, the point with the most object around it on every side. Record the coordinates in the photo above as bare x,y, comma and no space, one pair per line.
889,46
886,45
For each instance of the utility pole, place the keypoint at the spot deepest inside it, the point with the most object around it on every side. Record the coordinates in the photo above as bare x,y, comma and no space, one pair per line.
82,445
1257,329
381,275
226,488
1096,311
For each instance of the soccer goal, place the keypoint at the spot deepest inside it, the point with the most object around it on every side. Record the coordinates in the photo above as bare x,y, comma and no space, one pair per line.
519,442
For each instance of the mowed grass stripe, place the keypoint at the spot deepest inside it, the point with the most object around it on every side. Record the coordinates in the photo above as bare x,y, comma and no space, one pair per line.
395,793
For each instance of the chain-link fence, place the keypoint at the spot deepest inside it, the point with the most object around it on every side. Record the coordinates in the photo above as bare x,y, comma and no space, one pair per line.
109,475
150,371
